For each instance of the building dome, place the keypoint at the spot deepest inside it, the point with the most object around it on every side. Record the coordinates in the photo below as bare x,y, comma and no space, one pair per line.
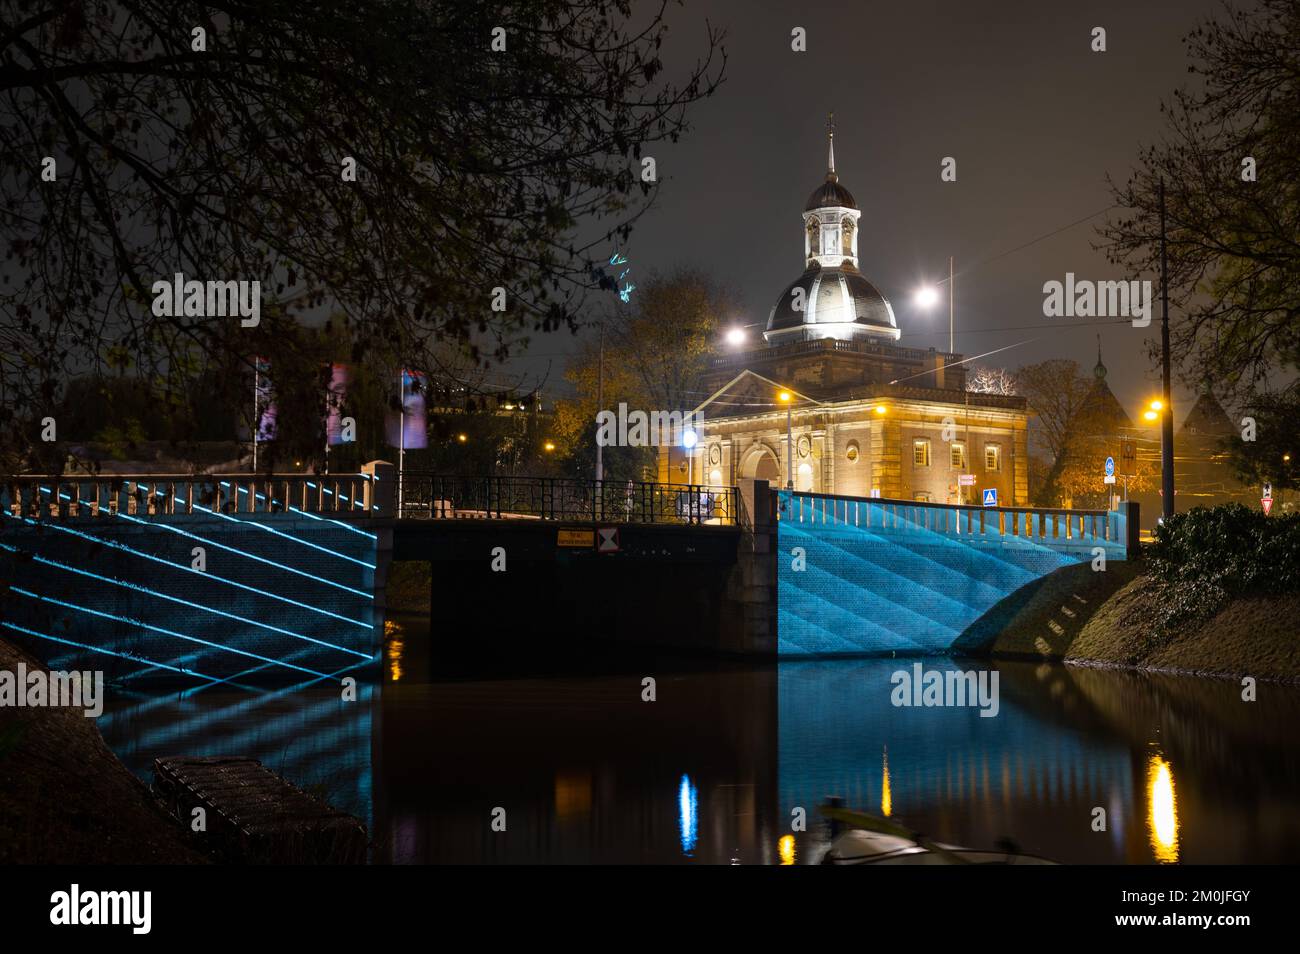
837,302
830,194
830,299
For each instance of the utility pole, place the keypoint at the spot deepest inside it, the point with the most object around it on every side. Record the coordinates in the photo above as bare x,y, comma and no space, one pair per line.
257,415
951,308
1167,418
401,436
600,400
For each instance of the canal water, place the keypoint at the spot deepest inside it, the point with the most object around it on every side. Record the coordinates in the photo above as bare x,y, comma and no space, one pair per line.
715,769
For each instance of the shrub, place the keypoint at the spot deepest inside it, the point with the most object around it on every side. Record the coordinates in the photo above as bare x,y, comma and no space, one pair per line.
1207,556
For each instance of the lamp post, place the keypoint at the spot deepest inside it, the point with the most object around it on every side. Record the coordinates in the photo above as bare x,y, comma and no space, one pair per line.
785,397
928,297
1166,425
689,438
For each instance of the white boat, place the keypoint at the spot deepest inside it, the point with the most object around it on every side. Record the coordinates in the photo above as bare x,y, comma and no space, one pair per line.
869,840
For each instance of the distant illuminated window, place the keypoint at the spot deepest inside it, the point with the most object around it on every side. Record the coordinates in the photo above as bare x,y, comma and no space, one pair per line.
852,452
923,496
805,473
846,236
992,457
958,456
921,453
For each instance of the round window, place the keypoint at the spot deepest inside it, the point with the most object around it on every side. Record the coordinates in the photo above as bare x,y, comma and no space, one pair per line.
852,452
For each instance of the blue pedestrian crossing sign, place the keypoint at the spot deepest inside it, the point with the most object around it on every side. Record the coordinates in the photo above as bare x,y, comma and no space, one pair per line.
1110,466
991,497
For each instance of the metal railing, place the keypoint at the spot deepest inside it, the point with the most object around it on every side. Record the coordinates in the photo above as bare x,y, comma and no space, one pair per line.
83,497
439,497
1028,523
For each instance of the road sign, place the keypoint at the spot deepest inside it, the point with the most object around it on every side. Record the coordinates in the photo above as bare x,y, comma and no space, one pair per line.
1110,468
607,541
1268,492
966,480
1268,504
1109,478
1128,457
990,497
575,538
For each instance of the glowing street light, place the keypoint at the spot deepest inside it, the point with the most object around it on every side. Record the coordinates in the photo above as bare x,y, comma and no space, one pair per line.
927,297
549,446
689,440
736,337
462,438
786,397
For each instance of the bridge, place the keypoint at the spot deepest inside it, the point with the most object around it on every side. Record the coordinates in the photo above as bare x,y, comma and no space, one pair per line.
239,578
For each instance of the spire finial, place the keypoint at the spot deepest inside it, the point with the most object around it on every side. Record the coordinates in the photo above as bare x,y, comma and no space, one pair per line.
1099,371
830,147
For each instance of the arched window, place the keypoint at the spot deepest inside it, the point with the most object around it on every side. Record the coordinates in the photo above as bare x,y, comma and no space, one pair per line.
814,237
846,236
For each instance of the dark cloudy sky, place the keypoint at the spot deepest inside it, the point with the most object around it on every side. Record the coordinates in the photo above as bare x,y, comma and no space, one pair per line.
1011,89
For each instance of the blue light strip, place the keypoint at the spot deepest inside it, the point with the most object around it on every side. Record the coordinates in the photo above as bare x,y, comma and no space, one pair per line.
250,556
159,629
288,536
113,544
176,599
108,652
314,516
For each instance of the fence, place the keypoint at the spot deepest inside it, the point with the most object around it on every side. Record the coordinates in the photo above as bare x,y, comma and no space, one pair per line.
84,497
433,496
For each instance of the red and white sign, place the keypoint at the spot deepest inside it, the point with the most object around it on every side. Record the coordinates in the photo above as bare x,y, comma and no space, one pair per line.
966,480
1268,504
607,540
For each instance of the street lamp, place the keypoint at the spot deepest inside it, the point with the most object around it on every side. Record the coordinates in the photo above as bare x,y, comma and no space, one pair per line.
689,439
928,296
736,337
785,397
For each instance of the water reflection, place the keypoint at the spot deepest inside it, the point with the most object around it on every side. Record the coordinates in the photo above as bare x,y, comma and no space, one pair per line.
1163,810
688,803
713,771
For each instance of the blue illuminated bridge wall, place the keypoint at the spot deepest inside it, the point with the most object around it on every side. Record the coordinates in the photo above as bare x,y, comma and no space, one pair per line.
284,596
883,576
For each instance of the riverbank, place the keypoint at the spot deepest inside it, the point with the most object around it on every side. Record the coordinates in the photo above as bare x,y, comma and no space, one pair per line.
65,798
1113,619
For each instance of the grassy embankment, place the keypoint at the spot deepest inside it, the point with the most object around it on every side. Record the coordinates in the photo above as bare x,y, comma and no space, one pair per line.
1218,593
66,799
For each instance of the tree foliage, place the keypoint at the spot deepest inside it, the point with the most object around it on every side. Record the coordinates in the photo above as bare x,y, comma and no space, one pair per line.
1233,245
655,352
475,169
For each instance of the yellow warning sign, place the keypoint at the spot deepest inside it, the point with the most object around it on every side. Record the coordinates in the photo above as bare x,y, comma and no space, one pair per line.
576,538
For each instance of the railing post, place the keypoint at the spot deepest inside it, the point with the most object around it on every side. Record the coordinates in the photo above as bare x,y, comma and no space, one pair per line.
381,489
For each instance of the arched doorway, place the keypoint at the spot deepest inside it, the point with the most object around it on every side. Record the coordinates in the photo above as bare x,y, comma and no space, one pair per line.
759,463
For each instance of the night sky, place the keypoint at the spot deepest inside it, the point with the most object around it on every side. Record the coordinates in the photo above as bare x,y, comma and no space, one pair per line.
1011,89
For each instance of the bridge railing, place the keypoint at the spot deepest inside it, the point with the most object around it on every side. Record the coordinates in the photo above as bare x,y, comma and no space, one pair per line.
441,497
1027,523
77,496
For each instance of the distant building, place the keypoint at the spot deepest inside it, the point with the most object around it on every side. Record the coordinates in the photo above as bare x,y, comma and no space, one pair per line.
867,416
1203,476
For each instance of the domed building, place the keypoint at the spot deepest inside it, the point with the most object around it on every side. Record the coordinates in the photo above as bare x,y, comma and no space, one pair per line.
866,417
